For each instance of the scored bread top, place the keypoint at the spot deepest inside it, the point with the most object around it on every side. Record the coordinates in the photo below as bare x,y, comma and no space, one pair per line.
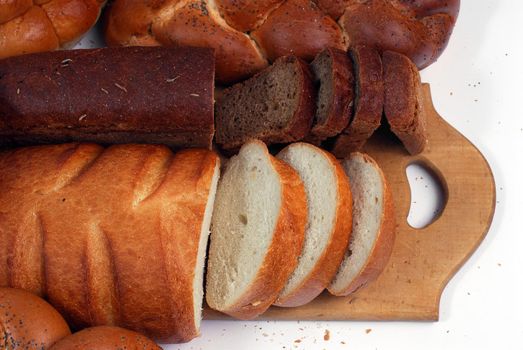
116,231
329,223
257,232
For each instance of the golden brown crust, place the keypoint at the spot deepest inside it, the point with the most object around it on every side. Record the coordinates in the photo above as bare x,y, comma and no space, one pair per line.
333,8
284,250
382,248
119,231
28,322
298,27
404,101
35,26
327,265
246,15
105,338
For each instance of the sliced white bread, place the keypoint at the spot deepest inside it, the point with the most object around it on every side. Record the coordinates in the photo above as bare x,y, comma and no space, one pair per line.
373,226
329,222
258,228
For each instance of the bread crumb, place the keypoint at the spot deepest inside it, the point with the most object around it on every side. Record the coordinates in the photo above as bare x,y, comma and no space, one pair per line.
297,341
368,330
265,334
327,335
342,342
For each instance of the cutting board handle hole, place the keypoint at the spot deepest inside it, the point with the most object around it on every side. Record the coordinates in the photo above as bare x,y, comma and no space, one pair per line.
428,194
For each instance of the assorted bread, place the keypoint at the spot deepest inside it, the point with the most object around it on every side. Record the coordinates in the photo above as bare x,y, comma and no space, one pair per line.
123,95
373,229
258,228
120,233
329,222
247,35
28,26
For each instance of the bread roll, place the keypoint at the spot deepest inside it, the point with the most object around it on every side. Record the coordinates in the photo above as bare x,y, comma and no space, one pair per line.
105,338
120,233
112,95
29,322
34,26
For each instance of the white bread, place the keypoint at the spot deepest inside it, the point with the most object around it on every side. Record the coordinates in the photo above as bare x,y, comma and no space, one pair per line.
373,226
113,236
329,224
257,234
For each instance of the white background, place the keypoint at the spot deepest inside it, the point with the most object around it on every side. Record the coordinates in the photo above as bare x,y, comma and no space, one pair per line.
477,86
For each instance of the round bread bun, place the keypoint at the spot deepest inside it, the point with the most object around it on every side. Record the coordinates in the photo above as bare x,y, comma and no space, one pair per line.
28,26
247,35
105,338
28,322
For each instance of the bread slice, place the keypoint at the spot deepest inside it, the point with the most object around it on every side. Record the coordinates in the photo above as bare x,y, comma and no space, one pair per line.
257,234
275,106
333,73
373,226
329,224
404,101
368,103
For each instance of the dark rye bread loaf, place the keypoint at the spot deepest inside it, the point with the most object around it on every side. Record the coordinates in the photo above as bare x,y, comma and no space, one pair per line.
111,95
368,103
404,101
333,73
275,106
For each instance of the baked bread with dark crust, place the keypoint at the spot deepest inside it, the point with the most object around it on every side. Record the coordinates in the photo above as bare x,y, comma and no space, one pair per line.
404,109
28,26
248,34
106,96
368,102
113,236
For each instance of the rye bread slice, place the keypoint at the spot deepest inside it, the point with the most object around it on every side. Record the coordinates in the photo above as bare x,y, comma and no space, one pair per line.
373,226
368,103
275,106
404,109
334,75
329,223
258,227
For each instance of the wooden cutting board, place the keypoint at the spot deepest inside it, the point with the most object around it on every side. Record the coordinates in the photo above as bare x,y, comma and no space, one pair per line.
423,260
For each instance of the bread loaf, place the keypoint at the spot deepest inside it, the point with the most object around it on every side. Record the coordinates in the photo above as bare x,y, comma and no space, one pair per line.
404,101
275,106
258,229
368,102
329,223
334,74
105,338
245,34
114,95
112,236
373,226
28,322
28,26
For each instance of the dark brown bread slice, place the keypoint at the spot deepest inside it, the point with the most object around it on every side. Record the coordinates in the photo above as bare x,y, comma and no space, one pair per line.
368,103
333,73
275,106
404,101
112,95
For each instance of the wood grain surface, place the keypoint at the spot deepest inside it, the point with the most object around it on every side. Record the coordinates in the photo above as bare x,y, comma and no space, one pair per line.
423,260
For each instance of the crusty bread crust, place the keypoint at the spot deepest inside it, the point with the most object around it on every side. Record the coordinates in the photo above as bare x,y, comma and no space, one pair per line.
368,103
108,236
340,106
28,26
325,269
284,250
383,244
28,322
404,101
105,338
